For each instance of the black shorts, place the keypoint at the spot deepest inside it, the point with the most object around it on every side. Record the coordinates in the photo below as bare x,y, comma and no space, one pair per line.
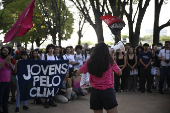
100,99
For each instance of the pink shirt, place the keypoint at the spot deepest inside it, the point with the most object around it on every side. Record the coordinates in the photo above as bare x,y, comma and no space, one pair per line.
106,81
4,72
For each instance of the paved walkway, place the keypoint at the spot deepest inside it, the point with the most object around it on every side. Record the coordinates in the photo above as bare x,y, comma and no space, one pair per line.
129,102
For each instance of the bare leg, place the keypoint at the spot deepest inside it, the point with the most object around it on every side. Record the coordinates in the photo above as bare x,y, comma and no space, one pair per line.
113,110
85,92
98,111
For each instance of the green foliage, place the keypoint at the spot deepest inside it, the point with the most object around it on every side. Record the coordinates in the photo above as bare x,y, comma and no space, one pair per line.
41,28
164,38
124,36
110,43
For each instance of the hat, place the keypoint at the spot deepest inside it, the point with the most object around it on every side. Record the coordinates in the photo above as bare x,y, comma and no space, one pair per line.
18,51
23,53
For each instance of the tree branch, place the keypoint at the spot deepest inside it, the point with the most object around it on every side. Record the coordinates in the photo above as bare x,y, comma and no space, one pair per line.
165,25
135,13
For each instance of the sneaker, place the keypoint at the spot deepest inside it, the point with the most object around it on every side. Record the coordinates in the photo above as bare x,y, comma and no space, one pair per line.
26,108
16,110
46,104
149,91
52,104
121,91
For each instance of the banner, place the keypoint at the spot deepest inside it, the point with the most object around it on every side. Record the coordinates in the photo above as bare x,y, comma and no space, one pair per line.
40,78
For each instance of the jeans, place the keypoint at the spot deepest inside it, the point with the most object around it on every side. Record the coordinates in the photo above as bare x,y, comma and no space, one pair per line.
4,96
165,72
18,98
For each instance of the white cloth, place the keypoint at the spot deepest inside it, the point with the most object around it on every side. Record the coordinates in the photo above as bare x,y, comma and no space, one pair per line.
165,56
79,59
49,57
70,58
64,98
88,56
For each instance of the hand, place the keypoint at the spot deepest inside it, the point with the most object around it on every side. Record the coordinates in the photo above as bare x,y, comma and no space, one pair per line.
132,68
146,66
9,57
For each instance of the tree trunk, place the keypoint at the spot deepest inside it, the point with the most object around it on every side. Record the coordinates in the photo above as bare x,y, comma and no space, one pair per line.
37,42
99,30
118,37
79,40
32,45
26,45
54,38
156,30
59,42
59,38
131,34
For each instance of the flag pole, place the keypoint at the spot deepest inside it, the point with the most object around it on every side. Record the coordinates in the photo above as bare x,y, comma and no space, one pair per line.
14,39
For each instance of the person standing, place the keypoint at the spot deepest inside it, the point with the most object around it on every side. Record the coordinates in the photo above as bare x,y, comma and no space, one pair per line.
25,107
164,56
121,62
132,63
101,66
5,66
79,57
49,57
57,53
69,57
157,63
145,58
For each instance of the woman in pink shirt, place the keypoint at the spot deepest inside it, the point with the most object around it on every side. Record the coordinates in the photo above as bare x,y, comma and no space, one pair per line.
101,67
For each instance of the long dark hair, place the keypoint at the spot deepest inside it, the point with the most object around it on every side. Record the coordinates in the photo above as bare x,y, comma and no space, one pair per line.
100,60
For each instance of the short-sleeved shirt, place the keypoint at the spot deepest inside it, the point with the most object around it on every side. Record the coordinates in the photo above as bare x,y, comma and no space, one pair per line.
166,55
79,59
70,58
49,57
145,58
4,72
104,82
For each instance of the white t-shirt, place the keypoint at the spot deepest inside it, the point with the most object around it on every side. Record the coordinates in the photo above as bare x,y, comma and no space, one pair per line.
165,56
70,58
49,57
79,59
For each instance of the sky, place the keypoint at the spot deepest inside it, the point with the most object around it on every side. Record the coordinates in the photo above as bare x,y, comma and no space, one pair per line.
90,35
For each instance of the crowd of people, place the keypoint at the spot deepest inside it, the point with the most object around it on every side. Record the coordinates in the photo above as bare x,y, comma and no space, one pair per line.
143,68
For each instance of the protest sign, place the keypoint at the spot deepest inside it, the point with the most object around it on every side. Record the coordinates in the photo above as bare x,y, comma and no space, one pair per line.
40,79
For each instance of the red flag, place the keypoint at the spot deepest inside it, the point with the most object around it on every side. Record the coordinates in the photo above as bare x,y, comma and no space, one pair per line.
115,24
24,23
